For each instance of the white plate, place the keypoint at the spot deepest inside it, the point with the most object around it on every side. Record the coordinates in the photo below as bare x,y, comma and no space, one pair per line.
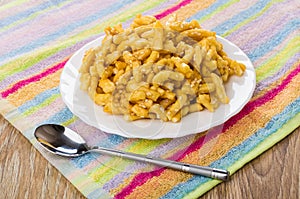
238,89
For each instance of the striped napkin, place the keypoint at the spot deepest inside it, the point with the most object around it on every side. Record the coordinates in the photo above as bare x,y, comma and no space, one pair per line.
38,37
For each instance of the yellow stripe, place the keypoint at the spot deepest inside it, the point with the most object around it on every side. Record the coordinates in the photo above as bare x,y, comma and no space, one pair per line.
251,18
277,61
193,7
11,4
29,91
219,146
275,83
39,54
269,142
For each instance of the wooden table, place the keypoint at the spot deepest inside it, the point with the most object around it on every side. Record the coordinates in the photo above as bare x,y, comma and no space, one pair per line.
24,173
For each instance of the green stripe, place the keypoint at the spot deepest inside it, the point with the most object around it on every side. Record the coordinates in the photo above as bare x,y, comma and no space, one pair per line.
128,14
103,177
26,61
34,109
70,121
270,141
251,18
45,103
34,15
277,61
281,133
11,4
219,9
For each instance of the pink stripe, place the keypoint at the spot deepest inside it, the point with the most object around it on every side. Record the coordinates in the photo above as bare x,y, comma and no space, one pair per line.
49,61
142,178
22,83
49,25
262,100
32,79
172,9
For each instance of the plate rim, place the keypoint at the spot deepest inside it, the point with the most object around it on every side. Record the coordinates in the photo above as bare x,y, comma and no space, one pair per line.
249,68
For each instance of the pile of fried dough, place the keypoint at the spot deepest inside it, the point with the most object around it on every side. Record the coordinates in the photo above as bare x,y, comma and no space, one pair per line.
158,71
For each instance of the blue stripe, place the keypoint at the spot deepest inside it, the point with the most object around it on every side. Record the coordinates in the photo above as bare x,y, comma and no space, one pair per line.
111,141
66,29
99,192
60,117
84,160
208,10
38,99
278,75
11,19
274,41
64,115
240,17
28,21
238,152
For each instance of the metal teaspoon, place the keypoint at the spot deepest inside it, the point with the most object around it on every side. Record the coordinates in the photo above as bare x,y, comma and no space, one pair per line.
65,142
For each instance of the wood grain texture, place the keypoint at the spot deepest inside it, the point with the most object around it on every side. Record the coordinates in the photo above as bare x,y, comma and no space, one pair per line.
24,173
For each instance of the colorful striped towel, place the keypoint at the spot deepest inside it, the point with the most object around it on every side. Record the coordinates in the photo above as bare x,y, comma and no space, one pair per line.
38,37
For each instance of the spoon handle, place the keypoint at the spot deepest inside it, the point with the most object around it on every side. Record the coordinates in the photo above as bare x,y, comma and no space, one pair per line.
189,168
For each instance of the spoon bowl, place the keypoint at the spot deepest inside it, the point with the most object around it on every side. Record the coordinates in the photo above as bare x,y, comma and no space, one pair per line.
65,142
60,140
